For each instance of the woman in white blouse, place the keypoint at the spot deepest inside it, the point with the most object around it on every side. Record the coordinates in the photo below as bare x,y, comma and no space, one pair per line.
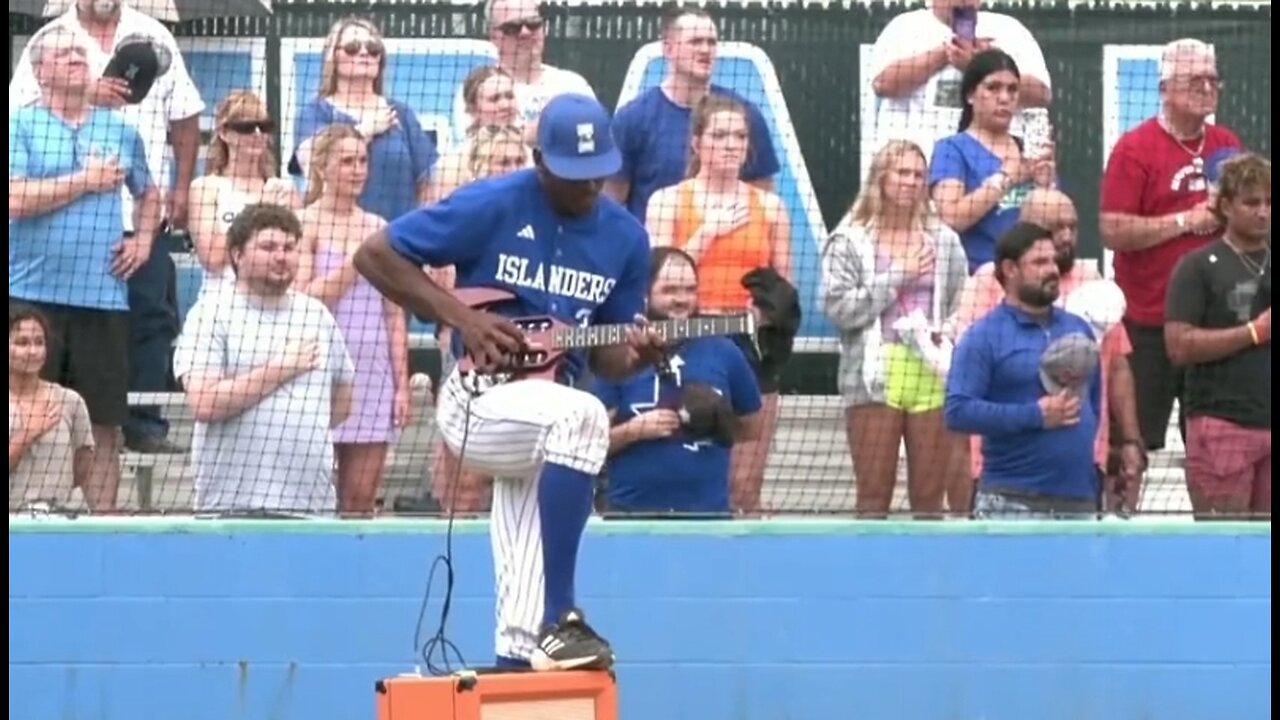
240,170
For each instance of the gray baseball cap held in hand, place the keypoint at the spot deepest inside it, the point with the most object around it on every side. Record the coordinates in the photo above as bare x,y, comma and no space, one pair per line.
1068,363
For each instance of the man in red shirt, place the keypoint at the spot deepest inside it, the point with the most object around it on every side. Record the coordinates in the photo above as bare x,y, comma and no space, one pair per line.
1155,209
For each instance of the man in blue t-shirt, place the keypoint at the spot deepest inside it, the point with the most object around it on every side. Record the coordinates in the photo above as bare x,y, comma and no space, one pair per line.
657,463
653,130
547,238
1026,378
67,163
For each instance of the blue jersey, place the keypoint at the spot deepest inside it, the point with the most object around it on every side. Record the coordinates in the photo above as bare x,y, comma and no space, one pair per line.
503,233
399,158
64,256
679,474
994,389
653,135
961,157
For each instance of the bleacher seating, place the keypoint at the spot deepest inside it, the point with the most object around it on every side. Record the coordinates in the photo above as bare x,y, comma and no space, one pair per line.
809,469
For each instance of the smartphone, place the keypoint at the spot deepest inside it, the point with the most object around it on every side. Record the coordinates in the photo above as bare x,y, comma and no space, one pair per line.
1037,132
964,22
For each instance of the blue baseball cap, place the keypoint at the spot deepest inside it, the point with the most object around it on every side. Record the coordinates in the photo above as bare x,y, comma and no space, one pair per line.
1213,165
576,139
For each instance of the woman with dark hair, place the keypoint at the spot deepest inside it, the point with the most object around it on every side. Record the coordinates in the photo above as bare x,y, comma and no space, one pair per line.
656,463
50,441
980,175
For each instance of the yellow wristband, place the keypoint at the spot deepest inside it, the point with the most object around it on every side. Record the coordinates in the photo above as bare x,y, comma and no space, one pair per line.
1253,333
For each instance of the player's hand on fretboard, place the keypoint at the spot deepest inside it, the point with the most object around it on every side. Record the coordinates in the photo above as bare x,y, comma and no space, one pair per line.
646,342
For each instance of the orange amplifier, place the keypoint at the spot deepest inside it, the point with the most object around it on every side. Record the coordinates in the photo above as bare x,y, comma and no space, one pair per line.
498,695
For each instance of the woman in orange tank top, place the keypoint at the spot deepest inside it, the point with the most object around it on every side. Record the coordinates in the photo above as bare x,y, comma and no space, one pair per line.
730,228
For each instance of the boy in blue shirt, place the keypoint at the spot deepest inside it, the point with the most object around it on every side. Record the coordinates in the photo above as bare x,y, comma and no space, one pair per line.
546,236
656,464
67,161
1025,377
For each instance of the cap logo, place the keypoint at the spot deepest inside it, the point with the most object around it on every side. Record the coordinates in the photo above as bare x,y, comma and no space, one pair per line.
586,138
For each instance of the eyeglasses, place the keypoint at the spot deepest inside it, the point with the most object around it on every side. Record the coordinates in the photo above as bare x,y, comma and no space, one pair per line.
249,127
373,48
512,28
1200,82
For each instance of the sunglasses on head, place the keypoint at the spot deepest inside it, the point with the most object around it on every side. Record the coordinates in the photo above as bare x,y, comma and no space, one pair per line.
373,48
249,127
513,27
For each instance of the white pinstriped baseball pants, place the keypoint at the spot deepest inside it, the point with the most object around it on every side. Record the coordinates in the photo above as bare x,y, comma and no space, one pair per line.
510,430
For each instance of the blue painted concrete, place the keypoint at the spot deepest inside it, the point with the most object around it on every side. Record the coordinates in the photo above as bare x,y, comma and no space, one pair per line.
721,621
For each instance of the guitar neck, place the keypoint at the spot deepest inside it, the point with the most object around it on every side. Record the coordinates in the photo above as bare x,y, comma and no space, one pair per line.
669,330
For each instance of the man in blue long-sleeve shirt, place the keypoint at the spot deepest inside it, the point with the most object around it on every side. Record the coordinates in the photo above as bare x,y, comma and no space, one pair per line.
1026,379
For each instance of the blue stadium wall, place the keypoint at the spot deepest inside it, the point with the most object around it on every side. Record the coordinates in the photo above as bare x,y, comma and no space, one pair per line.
210,620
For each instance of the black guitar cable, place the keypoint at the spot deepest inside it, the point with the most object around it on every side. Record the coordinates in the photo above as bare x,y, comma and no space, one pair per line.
439,644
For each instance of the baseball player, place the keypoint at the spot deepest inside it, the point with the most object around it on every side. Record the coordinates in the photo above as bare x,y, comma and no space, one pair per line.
548,236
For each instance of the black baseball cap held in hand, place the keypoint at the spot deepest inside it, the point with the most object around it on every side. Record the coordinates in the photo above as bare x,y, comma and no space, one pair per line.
139,61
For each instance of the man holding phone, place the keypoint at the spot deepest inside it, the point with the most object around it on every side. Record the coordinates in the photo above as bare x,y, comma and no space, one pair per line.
917,62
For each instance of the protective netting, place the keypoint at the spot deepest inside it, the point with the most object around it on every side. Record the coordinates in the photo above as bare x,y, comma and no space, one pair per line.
835,156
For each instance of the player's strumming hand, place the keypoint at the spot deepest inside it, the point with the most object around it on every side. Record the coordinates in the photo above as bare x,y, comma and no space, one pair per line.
645,342
489,340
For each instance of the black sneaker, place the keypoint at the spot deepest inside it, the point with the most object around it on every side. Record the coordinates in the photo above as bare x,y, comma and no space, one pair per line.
571,644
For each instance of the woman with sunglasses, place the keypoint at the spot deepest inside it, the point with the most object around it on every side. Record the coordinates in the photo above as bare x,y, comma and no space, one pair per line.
240,170
352,84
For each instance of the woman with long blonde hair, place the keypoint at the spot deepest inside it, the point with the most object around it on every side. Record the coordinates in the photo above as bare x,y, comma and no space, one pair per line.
240,170
891,274
333,227
490,150
730,228
352,92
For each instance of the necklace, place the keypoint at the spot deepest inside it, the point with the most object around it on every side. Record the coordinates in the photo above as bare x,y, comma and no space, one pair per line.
1255,268
1196,160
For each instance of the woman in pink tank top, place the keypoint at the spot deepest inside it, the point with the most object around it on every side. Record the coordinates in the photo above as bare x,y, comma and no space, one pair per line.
375,329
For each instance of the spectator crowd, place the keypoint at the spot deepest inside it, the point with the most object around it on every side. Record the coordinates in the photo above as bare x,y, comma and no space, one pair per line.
1020,381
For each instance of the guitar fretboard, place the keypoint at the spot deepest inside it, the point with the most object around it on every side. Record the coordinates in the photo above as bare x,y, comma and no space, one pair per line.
668,330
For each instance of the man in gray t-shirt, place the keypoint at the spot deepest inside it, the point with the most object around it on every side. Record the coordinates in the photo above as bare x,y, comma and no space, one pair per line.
267,374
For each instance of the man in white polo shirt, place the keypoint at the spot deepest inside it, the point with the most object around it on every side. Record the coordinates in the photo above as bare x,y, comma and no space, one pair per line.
518,31
919,57
168,114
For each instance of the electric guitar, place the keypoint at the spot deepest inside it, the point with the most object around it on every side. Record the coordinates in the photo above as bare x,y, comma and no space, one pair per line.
548,340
